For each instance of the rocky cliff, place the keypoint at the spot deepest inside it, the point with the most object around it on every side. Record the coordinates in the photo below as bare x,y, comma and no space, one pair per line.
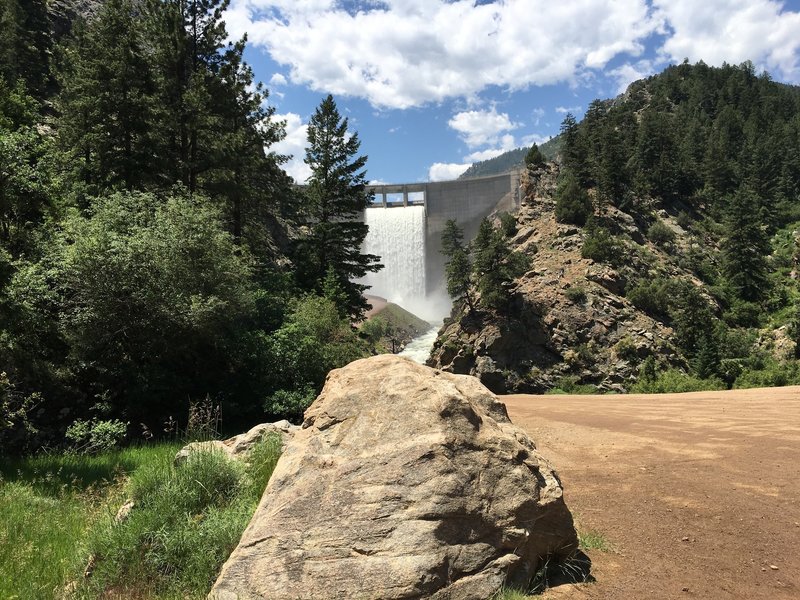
569,322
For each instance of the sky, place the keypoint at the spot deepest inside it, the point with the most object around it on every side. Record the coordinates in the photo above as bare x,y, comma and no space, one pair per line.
434,85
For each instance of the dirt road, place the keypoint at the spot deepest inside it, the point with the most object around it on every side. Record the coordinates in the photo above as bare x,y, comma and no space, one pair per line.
699,494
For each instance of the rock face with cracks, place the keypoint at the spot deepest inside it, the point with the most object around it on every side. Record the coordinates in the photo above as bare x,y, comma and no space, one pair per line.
405,482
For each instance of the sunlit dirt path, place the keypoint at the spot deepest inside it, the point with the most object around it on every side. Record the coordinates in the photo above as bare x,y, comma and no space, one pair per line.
699,494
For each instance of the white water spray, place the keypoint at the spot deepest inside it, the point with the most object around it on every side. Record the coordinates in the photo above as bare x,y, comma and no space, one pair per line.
419,349
397,235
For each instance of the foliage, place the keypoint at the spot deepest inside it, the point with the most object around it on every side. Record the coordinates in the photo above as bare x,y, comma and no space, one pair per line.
653,297
289,404
576,294
508,224
625,348
175,289
769,373
534,158
660,234
336,195
569,385
458,268
572,201
675,381
16,426
495,266
185,523
313,340
91,437
599,245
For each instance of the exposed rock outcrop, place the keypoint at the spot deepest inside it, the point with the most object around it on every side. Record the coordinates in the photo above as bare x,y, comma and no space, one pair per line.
405,482
238,446
569,318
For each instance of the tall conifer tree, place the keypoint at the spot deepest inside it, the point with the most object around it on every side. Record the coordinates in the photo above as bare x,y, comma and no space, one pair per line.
336,198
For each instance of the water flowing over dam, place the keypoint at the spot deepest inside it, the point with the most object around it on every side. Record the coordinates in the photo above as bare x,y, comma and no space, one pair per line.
397,235
405,229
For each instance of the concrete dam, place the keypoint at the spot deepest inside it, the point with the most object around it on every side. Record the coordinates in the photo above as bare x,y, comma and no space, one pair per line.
406,222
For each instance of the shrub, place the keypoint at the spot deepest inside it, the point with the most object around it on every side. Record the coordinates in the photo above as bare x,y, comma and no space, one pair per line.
674,381
570,385
508,224
600,246
769,374
625,348
660,234
16,427
91,437
572,201
743,314
652,297
576,294
289,404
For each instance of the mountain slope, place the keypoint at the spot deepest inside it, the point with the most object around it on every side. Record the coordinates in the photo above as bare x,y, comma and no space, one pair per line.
663,246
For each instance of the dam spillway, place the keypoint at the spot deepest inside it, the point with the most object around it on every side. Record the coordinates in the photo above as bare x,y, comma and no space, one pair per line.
397,235
406,222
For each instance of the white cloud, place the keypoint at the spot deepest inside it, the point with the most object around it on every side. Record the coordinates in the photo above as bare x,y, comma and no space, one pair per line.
568,109
537,114
481,127
295,144
446,171
278,79
403,53
732,31
626,74
535,138
484,154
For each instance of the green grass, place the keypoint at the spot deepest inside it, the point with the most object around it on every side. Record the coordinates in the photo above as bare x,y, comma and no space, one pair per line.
593,540
48,504
58,510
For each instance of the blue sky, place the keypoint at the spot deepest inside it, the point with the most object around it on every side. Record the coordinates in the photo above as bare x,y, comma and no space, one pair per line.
433,85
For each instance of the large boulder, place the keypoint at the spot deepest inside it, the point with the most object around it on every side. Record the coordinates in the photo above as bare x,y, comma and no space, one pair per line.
405,482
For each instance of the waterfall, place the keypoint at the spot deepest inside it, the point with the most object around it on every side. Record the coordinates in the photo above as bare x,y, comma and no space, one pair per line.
397,235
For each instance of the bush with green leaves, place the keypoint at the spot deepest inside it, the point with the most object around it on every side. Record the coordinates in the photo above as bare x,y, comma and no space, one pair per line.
675,381
97,435
576,294
314,339
661,234
161,323
768,373
600,246
652,297
572,201
569,385
289,404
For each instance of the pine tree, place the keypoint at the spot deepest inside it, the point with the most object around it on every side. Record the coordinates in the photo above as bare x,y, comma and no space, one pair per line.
458,268
495,266
25,45
336,199
107,102
534,158
745,247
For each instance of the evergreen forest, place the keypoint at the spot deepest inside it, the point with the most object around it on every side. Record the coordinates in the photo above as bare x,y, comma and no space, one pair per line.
153,252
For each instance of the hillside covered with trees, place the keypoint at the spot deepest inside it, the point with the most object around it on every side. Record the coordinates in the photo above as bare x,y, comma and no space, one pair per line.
673,212
153,252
